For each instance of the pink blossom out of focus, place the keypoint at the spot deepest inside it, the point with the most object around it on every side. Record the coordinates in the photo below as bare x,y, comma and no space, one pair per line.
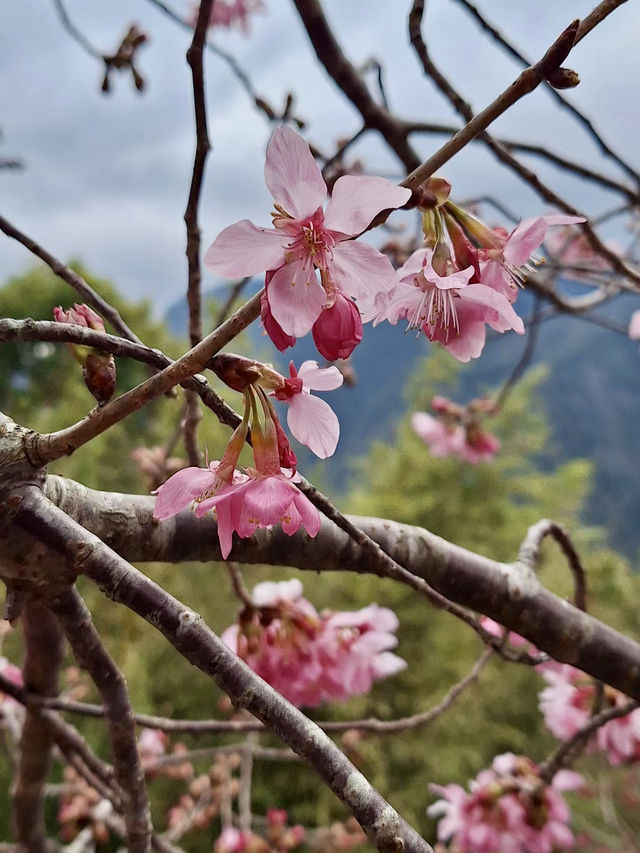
13,674
505,811
515,640
234,840
444,439
250,501
566,704
447,308
309,657
634,326
307,241
311,420
229,13
152,743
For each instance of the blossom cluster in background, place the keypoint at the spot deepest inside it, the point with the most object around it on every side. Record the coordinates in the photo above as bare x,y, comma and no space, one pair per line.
313,657
508,809
456,430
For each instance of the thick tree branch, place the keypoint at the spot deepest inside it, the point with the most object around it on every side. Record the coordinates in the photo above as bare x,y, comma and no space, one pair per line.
507,592
192,638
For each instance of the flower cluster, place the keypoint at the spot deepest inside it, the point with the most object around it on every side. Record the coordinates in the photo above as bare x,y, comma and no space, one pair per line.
98,368
309,657
457,430
266,494
466,278
566,703
280,838
318,279
508,809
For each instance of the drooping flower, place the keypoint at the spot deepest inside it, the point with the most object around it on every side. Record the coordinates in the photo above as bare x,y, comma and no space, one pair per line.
507,810
310,657
307,241
312,420
447,308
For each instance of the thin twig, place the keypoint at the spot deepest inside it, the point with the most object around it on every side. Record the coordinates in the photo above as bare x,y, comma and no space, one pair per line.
567,105
530,551
88,294
476,125
46,448
525,358
566,749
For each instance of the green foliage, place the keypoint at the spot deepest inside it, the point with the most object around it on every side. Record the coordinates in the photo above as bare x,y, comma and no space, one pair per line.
487,508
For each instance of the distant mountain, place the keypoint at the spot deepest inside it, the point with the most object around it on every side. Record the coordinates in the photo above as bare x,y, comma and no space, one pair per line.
592,400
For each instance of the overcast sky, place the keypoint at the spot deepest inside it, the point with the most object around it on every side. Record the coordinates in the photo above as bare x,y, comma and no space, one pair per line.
106,177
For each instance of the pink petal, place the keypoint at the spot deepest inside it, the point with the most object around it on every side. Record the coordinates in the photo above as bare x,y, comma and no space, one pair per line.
243,249
268,498
356,200
180,490
314,423
413,265
480,294
524,239
292,175
455,281
634,326
317,378
296,298
362,272
310,516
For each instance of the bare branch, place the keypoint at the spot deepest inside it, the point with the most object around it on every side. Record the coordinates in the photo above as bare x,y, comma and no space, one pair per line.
91,655
188,633
44,654
559,97
530,550
507,592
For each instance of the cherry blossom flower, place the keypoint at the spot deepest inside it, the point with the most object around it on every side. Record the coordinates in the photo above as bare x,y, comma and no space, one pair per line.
447,308
251,501
507,810
445,439
566,705
306,240
309,657
311,420
506,257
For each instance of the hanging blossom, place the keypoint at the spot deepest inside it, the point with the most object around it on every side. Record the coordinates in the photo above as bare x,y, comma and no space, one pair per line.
447,306
310,419
566,704
457,430
315,270
507,809
243,501
234,840
309,657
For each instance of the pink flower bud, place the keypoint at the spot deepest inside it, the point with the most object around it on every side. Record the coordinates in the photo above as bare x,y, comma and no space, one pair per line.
338,330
